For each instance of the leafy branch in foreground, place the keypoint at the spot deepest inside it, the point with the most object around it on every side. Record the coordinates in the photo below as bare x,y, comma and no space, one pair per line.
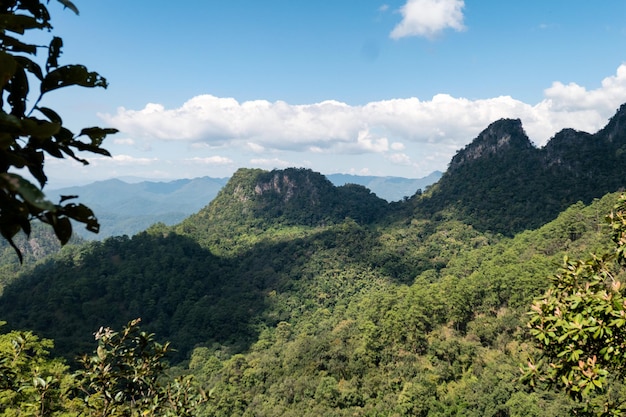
579,325
125,376
25,140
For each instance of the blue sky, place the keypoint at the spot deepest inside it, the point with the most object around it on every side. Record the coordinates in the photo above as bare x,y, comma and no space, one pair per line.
391,88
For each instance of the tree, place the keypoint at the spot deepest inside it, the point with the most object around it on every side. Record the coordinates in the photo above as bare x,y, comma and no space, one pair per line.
579,325
28,135
125,376
30,381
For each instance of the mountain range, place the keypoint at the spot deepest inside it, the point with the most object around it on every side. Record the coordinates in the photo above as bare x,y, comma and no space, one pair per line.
126,208
289,295
501,183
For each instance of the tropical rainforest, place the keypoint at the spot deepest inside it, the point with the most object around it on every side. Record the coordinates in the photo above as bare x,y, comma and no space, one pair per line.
497,291
287,295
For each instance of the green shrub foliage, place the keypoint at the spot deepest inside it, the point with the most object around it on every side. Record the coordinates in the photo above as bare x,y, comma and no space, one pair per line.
580,326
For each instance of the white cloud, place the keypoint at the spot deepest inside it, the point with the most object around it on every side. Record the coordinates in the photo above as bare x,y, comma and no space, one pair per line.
122,160
255,147
365,143
270,163
427,18
573,97
123,141
211,160
399,158
332,127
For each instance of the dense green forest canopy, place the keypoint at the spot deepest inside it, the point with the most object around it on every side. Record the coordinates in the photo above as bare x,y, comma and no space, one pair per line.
287,295
502,183
312,309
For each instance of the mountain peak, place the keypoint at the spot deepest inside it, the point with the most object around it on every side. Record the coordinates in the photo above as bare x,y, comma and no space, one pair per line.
293,196
501,135
289,183
616,126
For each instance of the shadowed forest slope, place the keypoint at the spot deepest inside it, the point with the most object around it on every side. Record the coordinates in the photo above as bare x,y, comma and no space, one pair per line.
501,183
287,295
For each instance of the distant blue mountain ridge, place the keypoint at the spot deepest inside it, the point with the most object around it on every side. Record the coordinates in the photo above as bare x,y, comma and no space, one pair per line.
126,208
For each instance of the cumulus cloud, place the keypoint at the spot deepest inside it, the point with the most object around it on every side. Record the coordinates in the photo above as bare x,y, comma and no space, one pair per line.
376,127
428,18
270,163
123,141
211,160
573,97
122,160
399,158
259,124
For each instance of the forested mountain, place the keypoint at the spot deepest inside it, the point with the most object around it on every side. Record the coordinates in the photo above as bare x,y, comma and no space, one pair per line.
290,296
176,283
413,318
255,202
128,207
40,244
500,182
388,188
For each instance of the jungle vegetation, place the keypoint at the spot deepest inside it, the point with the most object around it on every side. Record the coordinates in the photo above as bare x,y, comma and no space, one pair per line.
496,292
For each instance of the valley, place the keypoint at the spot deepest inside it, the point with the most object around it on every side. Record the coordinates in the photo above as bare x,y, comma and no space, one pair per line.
289,295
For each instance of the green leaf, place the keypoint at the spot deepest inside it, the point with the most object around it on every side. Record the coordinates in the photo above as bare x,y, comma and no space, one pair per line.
19,23
8,231
35,160
67,197
6,140
64,136
30,193
39,382
97,134
69,75
89,147
52,148
51,115
62,228
30,66
18,92
101,352
15,45
39,128
83,214
54,51
8,66
10,123
68,4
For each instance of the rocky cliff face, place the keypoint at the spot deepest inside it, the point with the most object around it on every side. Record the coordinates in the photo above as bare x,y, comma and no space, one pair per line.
500,137
615,129
292,183
562,149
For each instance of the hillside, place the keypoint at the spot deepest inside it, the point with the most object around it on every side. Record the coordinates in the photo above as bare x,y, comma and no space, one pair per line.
313,319
125,207
188,286
288,295
501,183
387,188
